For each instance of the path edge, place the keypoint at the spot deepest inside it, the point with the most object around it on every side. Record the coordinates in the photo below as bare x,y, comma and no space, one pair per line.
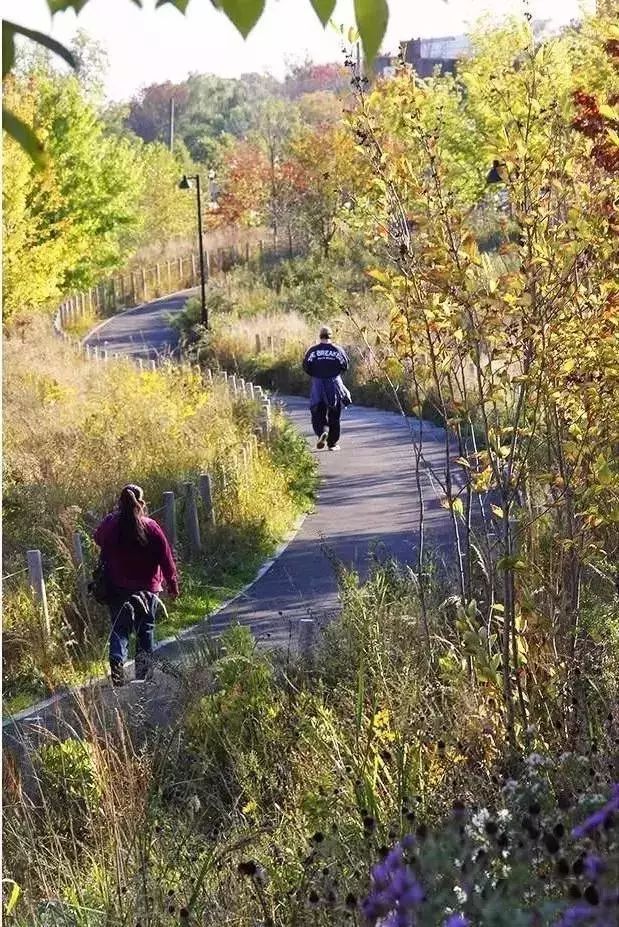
25,713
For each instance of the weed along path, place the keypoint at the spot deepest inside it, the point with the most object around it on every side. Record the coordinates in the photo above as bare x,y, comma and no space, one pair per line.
367,506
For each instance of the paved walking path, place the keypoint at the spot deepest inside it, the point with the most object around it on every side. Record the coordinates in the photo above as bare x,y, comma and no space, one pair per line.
367,499
367,506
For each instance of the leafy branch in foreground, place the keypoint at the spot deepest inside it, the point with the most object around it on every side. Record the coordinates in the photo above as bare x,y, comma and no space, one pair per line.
371,16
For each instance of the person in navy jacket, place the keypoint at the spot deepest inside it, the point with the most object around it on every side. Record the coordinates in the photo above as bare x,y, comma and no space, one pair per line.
325,363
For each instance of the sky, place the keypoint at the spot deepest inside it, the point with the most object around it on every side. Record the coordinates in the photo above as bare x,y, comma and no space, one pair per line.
149,45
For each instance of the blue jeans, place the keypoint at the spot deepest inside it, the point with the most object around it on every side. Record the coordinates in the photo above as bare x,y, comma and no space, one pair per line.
133,612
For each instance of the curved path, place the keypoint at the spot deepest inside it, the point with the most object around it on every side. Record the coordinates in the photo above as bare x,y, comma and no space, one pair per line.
367,506
367,499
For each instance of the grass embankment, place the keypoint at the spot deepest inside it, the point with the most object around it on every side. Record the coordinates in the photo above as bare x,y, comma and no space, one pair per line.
283,785
74,433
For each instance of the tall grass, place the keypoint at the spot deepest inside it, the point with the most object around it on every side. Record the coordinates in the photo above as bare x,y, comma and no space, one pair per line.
74,433
281,784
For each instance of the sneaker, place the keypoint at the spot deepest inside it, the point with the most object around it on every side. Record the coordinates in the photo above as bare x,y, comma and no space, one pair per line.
335,447
322,440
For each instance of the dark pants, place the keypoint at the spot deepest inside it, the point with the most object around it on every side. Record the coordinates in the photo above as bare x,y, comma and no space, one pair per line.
132,612
327,418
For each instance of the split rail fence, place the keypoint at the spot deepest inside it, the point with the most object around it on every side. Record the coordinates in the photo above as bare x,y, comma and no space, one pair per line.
137,286
196,508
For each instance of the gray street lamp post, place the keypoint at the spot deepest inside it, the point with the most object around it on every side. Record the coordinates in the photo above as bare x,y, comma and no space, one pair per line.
186,184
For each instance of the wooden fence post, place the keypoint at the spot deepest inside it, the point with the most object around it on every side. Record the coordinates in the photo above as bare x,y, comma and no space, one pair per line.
207,263
35,570
169,273
261,251
169,518
270,343
191,519
258,344
247,252
252,394
78,556
206,492
307,632
193,269
266,418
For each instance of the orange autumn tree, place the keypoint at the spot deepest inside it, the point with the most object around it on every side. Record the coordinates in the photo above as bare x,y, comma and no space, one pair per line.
244,187
325,173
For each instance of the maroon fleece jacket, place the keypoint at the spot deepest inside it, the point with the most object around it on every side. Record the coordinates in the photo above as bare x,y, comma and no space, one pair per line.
137,568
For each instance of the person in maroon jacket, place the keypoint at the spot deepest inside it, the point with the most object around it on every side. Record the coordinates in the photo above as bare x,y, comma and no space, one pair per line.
137,559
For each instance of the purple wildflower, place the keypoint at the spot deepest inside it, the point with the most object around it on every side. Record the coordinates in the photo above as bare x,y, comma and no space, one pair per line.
585,915
395,892
457,920
578,914
599,817
594,866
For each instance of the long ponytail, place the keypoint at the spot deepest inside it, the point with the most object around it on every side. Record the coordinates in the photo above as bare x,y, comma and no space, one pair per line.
131,528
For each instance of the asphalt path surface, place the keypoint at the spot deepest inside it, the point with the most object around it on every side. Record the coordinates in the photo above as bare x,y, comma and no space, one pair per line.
367,505
367,509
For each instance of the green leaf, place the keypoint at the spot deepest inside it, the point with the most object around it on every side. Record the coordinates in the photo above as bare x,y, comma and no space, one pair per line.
59,6
180,5
324,9
8,48
24,136
372,17
243,13
41,39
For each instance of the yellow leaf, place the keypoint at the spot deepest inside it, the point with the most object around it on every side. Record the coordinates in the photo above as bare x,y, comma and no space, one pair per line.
568,365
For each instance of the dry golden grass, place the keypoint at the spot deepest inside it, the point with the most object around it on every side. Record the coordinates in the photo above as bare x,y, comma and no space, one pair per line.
77,431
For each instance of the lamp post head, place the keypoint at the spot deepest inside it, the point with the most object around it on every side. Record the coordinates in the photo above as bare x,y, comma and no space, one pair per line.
497,174
185,183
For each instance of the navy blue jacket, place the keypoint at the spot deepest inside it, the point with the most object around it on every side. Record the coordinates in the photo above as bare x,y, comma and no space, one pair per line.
324,363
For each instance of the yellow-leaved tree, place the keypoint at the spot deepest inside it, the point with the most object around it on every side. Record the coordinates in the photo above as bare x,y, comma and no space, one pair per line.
503,311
